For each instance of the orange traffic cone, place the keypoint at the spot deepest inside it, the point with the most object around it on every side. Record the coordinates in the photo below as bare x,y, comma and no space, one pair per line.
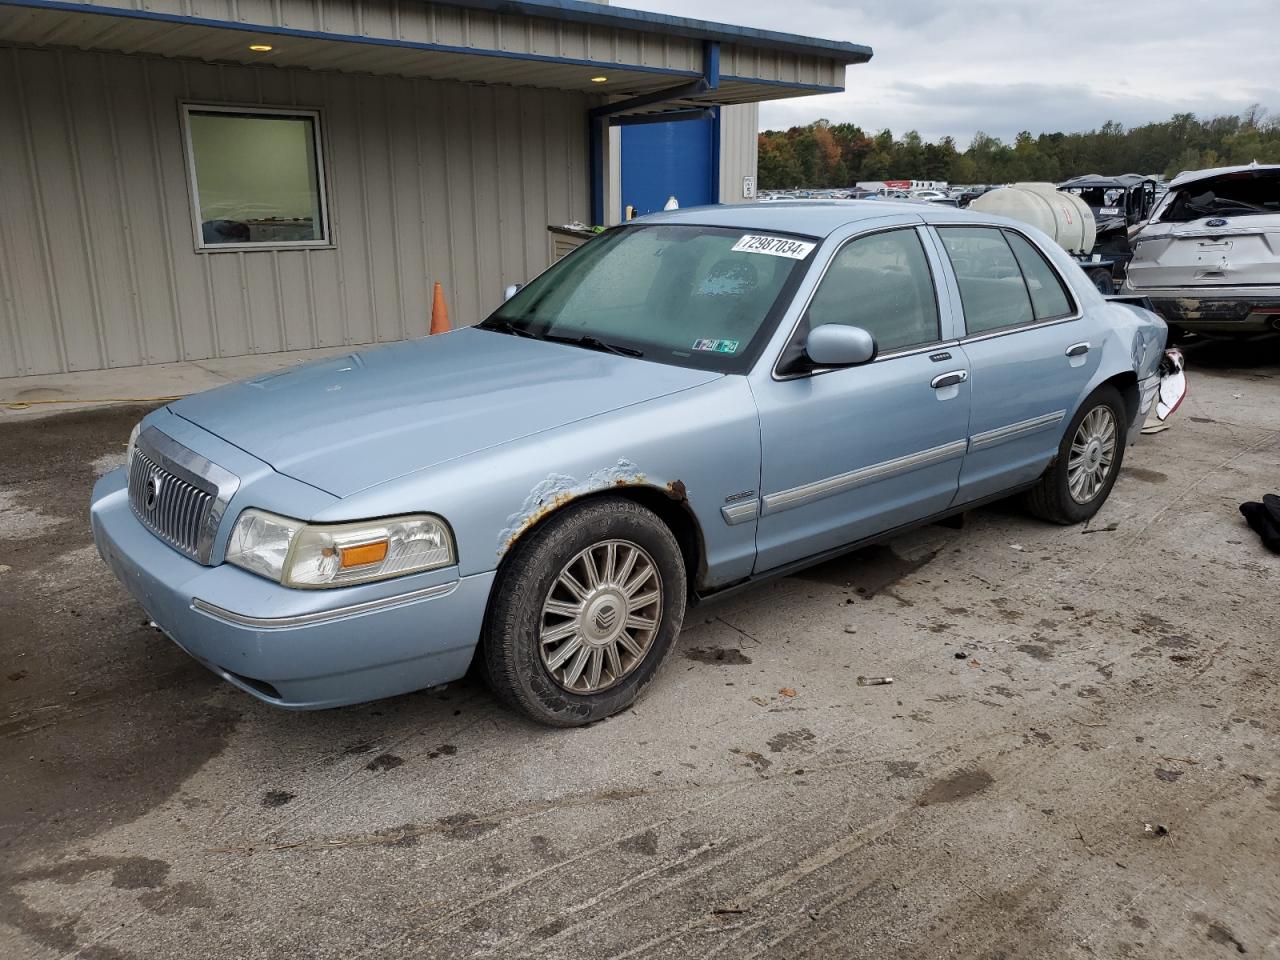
439,312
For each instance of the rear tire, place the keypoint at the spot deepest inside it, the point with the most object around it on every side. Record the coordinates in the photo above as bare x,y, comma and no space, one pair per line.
1080,479
1101,279
586,610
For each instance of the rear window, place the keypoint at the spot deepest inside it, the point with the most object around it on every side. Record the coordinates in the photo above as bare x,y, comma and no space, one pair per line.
992,290
1238,195
1048,298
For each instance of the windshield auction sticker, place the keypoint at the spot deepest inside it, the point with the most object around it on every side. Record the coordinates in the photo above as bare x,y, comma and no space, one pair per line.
774,246
716,346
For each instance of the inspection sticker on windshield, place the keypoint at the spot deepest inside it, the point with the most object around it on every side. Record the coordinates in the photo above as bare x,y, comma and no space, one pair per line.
716,346
774,246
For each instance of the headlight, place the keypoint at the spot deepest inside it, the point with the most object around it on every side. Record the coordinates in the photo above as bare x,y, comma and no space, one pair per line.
298,554
133,442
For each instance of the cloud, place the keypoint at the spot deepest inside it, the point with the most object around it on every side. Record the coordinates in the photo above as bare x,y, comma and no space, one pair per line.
1001,66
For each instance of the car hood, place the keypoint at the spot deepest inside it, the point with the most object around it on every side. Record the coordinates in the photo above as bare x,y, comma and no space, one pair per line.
353,421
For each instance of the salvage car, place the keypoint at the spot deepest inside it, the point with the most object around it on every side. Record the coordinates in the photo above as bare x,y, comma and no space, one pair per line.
1118,205
685,404
1209,259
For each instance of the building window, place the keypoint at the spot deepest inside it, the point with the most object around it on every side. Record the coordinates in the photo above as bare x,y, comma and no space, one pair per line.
257,177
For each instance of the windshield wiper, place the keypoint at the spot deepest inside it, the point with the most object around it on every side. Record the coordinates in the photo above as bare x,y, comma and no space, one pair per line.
595,343
499,325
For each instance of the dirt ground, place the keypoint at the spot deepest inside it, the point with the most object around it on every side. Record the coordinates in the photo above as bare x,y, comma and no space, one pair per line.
1056,691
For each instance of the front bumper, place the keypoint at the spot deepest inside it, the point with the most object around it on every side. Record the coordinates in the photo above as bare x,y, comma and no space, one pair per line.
301,649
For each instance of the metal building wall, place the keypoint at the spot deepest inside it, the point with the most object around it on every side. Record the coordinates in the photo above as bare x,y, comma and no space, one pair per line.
428,180
739,140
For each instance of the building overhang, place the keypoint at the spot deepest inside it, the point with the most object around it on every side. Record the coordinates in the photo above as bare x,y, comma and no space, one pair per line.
551,44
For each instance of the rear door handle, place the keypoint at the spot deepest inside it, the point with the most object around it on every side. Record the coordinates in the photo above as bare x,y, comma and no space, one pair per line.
1078,349
949,379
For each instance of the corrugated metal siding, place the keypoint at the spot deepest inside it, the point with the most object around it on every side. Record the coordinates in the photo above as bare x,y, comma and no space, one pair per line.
738,148
432,23
428,180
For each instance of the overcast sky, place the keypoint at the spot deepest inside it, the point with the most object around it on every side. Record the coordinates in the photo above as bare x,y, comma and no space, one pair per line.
956,66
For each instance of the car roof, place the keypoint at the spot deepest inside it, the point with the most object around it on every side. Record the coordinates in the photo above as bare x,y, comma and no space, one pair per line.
815,218
1094,180
1192,176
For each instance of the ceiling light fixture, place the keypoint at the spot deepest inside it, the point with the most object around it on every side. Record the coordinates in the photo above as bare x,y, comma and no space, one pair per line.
260,47
599,79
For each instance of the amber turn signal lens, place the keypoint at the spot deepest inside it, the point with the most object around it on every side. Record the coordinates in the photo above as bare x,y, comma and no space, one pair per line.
364,554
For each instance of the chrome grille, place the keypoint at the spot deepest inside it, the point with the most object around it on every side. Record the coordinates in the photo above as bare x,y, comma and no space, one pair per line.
177,494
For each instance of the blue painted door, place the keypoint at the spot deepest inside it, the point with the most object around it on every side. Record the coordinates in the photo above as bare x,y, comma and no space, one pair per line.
660,160
849,453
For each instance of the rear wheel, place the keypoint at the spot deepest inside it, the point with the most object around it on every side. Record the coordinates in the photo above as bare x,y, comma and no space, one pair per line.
1080,479
586,610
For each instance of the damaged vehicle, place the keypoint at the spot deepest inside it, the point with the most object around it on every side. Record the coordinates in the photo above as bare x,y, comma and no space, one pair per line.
684,405
1209,259
1118,205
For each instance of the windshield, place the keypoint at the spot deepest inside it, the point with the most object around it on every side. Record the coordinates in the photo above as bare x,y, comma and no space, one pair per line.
694,296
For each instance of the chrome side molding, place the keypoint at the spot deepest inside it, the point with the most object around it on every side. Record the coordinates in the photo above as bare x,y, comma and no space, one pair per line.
809,492
980,441
321,616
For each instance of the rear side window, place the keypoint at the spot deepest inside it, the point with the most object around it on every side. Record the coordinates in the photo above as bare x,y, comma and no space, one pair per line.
992,290
1048,298
883,284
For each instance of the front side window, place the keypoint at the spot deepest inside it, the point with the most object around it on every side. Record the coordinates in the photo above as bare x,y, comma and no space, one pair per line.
992,290
694,296
257,177
883,284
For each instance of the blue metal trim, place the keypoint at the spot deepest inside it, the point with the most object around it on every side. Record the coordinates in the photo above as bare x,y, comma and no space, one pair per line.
761,82
577,11
715,154
597,128
711,63
275,31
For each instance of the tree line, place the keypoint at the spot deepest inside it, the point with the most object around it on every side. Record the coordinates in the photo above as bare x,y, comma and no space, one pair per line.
825,154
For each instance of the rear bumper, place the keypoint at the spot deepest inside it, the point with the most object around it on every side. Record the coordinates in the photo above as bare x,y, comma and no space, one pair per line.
300,649
1148,390
1227,310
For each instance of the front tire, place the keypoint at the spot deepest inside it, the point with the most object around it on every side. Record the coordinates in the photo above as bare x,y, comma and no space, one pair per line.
1080,479
585,611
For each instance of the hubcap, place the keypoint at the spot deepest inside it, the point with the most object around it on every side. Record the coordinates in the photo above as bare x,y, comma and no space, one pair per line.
1093,450
600,616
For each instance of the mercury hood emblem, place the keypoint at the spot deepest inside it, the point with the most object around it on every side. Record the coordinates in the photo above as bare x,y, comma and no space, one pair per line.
152,492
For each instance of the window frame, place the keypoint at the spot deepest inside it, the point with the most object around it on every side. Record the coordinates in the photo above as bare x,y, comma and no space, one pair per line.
788,352
315,114
1072,307
966,337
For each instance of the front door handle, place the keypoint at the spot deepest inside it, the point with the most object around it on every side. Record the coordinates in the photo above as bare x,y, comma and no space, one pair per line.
1078,349
949,379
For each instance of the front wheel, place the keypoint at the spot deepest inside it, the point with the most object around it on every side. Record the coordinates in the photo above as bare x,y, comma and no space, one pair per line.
1080,479
584,613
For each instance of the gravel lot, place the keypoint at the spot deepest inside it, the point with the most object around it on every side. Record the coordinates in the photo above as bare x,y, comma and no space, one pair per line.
757,802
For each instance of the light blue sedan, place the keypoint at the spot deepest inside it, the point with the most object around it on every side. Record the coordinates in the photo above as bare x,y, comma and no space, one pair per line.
684,405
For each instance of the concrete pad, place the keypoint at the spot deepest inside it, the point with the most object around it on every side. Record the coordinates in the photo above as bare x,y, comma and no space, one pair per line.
1056,690
45,394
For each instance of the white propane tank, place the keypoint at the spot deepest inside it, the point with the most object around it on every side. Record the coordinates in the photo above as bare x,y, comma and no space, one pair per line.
1063,216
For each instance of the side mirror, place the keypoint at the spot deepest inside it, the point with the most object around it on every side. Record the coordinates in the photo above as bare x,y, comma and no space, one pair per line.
838,345
511,291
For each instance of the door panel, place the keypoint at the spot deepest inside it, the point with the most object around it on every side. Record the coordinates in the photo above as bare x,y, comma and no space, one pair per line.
1025,388
850,453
